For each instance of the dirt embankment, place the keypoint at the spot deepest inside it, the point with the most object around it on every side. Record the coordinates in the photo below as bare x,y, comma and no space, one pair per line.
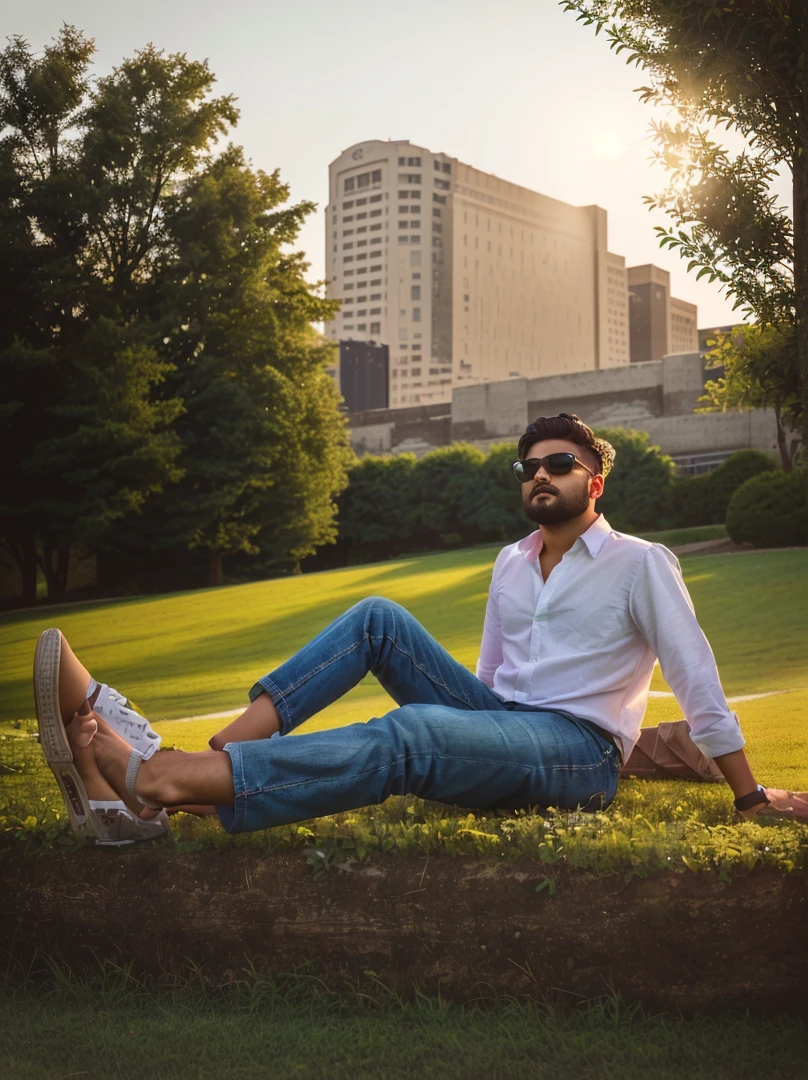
670,941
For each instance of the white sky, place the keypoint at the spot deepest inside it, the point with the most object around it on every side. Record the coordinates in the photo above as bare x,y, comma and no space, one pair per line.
514,87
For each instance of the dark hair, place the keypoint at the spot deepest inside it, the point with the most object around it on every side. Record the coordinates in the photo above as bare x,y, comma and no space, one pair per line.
572,429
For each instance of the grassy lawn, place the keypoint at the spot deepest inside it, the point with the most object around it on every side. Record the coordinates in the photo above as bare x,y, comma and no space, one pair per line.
196,653
212,644
91,1033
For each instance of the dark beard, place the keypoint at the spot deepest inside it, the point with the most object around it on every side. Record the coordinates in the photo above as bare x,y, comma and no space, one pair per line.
562,507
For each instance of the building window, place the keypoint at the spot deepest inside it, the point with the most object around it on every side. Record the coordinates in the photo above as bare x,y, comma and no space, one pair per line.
361,299
361,326
376,176
416,314
402,333
348,326
402,161
363,180
444,185
376,227
409,178
416,277
361,314
375,270
375,213
415,239
375,328
364,255
416,371
347,232
361,243
403,209
438,228
416,348
375,296
377,281
439,199
361,202
376,240
415,224
348,285
376,198
403,224
416,195
347,205
348,245
416,161
350,184
402,239
447,168
435,213
415,292
415,258
375,311
347,258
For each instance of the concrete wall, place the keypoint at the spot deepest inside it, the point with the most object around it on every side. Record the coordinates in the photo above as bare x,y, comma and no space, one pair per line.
658,397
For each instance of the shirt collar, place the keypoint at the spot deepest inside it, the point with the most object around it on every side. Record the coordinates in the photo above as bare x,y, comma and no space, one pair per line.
593,539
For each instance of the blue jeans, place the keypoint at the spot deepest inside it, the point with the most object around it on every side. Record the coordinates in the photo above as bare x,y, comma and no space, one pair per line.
451,740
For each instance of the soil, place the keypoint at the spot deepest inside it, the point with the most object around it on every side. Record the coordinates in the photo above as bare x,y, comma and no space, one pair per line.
686,942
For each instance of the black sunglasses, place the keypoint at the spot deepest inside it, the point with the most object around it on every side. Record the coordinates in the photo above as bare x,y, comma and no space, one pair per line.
555,464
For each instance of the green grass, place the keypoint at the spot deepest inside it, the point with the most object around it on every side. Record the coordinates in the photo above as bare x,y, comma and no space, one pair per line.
295,1027
199,652
693,535
213,644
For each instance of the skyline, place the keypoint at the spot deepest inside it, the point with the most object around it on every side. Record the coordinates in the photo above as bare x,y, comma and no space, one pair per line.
479,84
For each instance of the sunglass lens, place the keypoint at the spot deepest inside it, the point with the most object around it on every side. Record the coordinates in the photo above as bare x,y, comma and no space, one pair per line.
558,464
524,470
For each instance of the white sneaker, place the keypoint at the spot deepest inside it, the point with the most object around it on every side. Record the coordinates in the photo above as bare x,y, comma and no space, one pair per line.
122,718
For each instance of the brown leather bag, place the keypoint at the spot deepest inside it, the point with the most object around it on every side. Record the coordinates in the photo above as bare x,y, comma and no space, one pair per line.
667,751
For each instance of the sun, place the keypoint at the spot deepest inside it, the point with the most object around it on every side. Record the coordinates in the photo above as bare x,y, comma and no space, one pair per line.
607,144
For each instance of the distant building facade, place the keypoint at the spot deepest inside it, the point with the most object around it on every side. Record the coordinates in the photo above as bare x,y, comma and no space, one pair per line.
658,397
660,325
364,377
467,278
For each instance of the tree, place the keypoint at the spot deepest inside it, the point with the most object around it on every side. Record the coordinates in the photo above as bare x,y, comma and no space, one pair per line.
165,385
264,447
759,365
740,65
85,432
637,491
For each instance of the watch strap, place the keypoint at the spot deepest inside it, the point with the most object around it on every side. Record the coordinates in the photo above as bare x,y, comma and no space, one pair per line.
746,802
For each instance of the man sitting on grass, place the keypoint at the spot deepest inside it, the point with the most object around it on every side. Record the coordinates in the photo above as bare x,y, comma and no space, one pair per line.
577,615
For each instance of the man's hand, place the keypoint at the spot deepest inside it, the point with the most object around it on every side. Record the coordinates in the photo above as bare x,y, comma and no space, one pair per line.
781,804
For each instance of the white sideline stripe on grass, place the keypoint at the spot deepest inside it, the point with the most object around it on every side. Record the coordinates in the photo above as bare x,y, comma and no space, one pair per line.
651,693
730,700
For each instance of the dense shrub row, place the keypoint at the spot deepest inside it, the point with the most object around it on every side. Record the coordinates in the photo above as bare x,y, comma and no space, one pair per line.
459,495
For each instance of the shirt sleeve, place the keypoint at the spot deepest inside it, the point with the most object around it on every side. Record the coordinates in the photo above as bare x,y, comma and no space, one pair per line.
491,647
663,612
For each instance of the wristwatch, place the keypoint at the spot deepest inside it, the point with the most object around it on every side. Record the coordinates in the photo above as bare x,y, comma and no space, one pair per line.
746,802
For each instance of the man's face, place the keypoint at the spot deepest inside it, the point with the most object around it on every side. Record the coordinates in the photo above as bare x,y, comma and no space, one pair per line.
548,499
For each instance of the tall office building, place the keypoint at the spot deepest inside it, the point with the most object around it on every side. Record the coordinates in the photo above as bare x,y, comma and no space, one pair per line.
466,277
659,323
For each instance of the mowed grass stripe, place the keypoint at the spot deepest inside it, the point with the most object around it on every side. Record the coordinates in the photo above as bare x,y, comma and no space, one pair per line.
199,652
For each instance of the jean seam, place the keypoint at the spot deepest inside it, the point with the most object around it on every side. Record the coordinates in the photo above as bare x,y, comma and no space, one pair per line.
407,757
267,682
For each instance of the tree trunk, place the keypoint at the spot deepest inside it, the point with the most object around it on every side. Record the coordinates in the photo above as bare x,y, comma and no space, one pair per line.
800,190
54,563
22,548
215,568
782,444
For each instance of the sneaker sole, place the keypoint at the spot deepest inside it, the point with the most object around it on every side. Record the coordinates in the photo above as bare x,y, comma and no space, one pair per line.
52,734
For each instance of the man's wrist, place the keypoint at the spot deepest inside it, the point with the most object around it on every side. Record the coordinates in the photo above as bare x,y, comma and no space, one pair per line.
752,799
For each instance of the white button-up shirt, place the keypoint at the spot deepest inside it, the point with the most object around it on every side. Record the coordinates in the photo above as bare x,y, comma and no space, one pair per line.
585,641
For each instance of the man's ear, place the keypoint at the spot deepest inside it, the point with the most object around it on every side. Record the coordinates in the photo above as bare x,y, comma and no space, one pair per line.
596,485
